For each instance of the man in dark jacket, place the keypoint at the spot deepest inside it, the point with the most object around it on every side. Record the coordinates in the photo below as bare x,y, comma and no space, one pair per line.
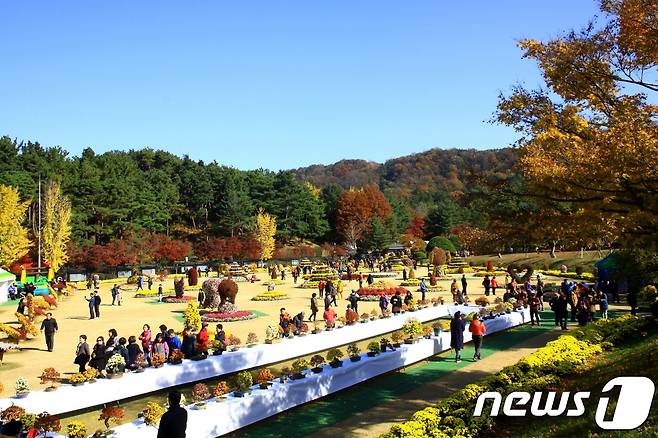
560,309
97,304
49,328
174,422
464,285
457,327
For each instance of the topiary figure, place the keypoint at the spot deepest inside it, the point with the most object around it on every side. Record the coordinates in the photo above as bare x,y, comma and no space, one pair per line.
179,287
228,289
192,276
515,272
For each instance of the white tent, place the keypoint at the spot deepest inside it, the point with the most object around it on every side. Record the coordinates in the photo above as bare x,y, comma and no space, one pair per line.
6,279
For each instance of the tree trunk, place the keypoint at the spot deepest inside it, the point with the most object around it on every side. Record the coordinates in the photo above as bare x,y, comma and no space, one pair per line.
554,242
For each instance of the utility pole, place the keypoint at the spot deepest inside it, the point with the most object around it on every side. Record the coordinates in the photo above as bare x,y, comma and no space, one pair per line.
39,230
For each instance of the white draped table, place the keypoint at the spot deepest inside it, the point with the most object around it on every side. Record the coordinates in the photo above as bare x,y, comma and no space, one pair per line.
219,418
69,398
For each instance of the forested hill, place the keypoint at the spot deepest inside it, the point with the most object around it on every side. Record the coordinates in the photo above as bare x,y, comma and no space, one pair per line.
450,170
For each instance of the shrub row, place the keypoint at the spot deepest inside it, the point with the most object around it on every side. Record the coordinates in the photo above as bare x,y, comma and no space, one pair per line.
453,416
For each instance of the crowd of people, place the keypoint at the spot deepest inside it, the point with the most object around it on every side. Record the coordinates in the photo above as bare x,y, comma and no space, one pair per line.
138,350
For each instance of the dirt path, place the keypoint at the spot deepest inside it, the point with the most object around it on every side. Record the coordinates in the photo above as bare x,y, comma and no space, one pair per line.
379,419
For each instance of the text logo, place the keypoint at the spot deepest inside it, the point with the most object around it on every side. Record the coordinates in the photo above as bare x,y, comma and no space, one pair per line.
632,409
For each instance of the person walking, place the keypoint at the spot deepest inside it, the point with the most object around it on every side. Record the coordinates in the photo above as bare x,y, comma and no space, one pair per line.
149,282
173,423
140,283
396,302
49,328
478,330
314,307
119,295
487,284
354,301
603,306
534,303
82,354
339,289
383,304
423,289
464,285
114,294
91,300
494,285
160,292
97,304
560,310
454,290
321,288
457,327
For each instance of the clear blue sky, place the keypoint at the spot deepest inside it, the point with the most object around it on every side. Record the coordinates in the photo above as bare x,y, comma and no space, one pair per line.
274,84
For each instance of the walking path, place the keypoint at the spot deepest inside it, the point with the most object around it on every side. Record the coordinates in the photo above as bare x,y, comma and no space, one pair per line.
370,409
379,419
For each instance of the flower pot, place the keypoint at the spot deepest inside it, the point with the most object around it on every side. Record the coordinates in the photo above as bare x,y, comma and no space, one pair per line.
315,332
298,376
21,395
363,321
317,370
176,362
94,380
199,357
137,370
336,363
217,352
114,375
200,405
329,329
51,389
372,353
251,345
355,358
239,393
78,384
283,379
272,341
437,332
410,340
396,345
264,385
233,348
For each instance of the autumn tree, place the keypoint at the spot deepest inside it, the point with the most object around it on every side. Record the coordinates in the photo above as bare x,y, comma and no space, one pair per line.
264,233
14,241
416,227
56,230
589,143
167,250
356,209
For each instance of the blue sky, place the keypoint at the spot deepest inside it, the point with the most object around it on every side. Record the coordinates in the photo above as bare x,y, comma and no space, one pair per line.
273,84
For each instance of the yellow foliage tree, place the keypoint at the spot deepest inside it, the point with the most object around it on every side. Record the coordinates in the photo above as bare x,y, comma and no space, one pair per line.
265,231
56,230
589,146
14,242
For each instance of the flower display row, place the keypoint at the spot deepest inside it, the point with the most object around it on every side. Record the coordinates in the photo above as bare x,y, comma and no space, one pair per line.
240,315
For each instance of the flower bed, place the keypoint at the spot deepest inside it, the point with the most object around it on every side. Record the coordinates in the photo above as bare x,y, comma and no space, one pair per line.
373,293
540,370
270,296
240,315
175,299
154,293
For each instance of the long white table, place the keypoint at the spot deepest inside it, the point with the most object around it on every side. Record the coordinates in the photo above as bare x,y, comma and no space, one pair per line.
219,418
69,398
